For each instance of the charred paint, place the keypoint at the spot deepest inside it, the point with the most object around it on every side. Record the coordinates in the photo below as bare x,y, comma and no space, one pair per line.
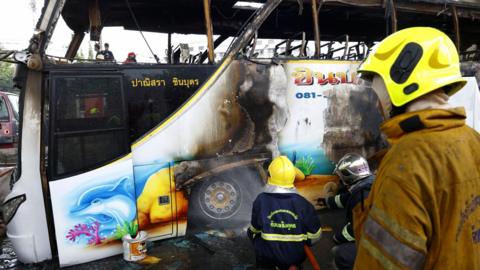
351,122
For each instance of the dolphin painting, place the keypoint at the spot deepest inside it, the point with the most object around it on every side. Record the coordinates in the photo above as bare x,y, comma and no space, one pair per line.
110,204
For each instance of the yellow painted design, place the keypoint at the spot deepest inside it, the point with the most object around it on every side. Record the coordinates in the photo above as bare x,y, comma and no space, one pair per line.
160,184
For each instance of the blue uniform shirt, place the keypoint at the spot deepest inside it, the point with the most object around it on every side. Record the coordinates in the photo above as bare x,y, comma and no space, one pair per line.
282,223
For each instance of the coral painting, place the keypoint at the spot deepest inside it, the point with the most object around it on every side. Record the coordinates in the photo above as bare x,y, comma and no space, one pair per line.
90,231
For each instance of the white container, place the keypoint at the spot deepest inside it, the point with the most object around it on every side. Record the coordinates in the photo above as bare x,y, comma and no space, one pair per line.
135,249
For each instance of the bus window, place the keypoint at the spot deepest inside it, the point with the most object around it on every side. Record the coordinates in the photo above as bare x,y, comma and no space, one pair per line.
88,124
88,103
78,152
4,116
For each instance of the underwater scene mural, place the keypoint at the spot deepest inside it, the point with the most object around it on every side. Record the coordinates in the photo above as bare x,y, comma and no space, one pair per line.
95,209
109,211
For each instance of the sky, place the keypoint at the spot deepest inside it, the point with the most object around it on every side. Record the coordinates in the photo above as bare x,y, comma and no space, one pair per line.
17,22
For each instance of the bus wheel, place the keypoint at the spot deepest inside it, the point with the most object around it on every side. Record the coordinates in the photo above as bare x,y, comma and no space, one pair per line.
225,200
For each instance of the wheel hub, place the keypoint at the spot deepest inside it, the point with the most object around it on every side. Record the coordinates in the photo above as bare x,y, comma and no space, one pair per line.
221,199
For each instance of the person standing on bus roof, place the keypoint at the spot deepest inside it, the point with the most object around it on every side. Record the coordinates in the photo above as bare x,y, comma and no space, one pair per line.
422,209
355,174
97,50
108,55
282,220
131,58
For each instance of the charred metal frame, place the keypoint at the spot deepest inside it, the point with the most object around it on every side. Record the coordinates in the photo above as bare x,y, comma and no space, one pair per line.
316,27
216,43
456,25
95,20
169,49
223,166
289,48
46,25
393,17
74,45
249,31
209,28
467,9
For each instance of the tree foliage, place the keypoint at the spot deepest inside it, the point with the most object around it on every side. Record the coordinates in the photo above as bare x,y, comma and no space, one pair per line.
6,75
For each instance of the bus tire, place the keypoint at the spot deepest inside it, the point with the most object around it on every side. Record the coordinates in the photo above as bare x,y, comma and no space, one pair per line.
224,201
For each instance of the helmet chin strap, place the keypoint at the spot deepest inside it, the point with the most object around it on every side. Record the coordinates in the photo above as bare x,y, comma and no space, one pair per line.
380,89
387,109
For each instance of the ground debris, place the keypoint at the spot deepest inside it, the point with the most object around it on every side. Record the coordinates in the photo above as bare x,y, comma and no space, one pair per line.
150,260
8,258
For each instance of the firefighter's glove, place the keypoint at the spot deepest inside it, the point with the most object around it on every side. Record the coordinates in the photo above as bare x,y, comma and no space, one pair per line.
251,235
322,202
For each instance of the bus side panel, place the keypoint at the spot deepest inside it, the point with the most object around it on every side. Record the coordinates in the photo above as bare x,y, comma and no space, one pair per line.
200,128
330,115
28,230
92,211
203,128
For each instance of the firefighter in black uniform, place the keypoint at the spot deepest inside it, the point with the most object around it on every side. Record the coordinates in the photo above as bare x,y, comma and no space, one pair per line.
355,174
282,220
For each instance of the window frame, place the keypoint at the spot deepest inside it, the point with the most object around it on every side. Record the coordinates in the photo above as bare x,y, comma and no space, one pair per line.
7,109
53,135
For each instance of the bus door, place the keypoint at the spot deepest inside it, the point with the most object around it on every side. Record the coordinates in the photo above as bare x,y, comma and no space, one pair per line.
154,94
89,170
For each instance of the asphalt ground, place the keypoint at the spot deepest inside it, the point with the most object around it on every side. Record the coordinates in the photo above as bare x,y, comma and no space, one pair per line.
199,249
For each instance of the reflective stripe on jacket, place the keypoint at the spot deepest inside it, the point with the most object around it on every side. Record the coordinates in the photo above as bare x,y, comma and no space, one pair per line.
424,207
355,196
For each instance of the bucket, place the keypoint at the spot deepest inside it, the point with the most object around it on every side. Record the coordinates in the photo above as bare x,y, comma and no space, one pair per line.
135,249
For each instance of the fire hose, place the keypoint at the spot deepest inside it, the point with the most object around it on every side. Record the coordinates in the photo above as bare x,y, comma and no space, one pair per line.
311,257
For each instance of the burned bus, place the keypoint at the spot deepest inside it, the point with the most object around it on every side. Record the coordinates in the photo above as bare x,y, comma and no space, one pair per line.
108,148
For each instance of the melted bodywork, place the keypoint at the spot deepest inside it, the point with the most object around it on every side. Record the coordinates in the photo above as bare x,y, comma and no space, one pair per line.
351,122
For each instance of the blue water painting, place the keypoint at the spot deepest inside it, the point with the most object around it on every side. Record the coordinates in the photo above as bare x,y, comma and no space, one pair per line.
296,152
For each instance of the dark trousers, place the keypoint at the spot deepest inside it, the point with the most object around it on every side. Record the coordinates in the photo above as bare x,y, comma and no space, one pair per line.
344,255
265,263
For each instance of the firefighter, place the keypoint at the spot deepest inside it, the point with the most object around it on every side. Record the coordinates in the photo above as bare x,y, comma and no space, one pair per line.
355,174
282,220
422,209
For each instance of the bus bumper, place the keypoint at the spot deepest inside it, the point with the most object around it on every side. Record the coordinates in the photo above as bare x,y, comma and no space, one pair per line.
24,246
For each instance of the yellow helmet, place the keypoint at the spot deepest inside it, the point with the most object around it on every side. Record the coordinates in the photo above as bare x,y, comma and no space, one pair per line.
415,61
282,172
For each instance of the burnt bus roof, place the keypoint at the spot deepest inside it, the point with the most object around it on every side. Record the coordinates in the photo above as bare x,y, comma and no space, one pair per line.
465,3
362,20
